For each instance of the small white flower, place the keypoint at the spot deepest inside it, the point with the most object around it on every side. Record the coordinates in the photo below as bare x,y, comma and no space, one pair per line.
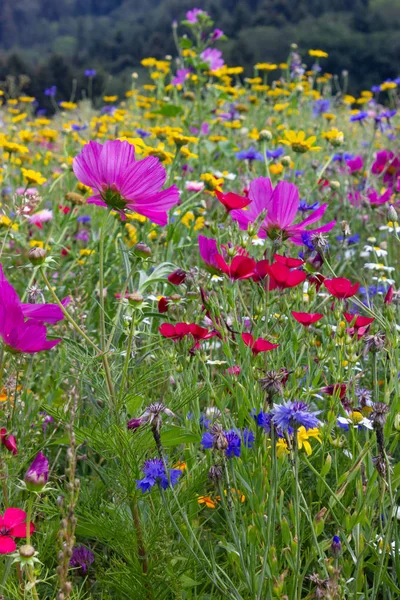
216,362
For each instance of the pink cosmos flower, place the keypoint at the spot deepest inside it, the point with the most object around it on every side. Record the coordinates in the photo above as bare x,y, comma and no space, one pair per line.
387,163
375,198
121,182
280,205
192,15
354,165
213,58
12,525
18,334
208,252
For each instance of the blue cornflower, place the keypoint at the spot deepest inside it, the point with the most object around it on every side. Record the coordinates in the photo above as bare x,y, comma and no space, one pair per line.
207,440
248,438
263,419
84,219
304,207
143,133
154,472
51,91
234,444
249,154
388,114
360,116
90,73
306,239
351,239
341,156
76,127
274,154
204,422
376,89
320,106
293,414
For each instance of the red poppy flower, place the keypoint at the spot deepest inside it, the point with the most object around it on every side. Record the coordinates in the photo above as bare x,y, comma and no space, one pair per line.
241,267
232,201
340,287
282,277
8,441
12,525
258,345
359,321
174,332
260,270
307,319
292,263
177,277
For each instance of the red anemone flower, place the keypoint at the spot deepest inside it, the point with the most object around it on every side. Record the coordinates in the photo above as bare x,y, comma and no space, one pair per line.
340,287
258,345
282,277
232,201
389,296
335,388
260,270
241,267
307,319
12,525
163,304
8,441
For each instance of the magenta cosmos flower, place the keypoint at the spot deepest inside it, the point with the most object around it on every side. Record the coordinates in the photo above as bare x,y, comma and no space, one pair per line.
19,334
213,58
280,205
121,182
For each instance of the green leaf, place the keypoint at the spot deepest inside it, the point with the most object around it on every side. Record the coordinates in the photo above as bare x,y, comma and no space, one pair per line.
169,110
174,436
185,43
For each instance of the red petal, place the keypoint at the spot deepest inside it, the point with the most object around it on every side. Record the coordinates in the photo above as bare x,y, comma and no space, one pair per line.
7,544
167,330
248,339
262,345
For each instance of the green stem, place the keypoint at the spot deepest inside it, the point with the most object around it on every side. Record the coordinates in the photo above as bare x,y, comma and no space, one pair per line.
128,353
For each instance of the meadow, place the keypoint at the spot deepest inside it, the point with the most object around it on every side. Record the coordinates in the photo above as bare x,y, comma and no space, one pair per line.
199,356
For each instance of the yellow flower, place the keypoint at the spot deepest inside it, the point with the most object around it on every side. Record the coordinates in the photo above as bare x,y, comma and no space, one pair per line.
356,417
183,140
19,118
86,252
13,147
38,244
318,53
388,85
334,137
31,176
26,99
347,99
68,105
110,98
136,217
298,141
212,183
281,448
148,62
199,224
207,501
266,66
180,465
188,154
6,222
281,106
132,234
276,168
329,116
304,435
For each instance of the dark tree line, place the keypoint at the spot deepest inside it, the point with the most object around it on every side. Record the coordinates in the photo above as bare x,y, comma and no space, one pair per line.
54,42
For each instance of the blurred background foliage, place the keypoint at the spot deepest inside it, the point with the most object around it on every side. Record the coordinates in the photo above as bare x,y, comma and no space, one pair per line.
55,41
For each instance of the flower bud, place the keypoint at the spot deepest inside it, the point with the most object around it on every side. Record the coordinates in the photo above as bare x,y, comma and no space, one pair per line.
135,299
75,198
265,135
26,551
392,214
286,160
37,256
38,473
334,185
142,250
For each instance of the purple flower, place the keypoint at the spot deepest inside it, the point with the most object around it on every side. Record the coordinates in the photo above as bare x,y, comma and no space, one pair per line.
84,219
192,15
304,207
90,73
154,473
180,76
208,250
38,473
293,414
51,91
120,182
81,558
274,154
216,34
76,127
360,116
320,106
213,58
143,133
250,154
234,443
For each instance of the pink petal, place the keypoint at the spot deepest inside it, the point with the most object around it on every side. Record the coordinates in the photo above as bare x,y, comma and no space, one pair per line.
283,208
115,159
13,517
19,531
86,165
96,200
142,179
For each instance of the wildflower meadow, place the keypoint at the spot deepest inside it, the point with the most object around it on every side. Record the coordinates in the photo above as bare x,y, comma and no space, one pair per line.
199,308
